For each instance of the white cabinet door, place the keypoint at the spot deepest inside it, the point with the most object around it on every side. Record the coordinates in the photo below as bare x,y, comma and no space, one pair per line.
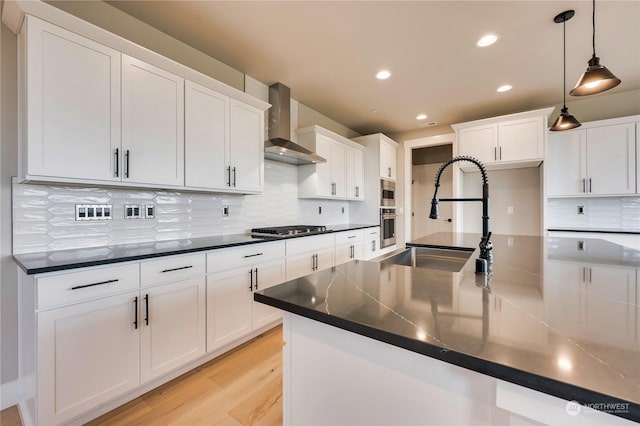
565,163
387,160
480,142
246,146
206,137
324,183
172,323
306,263
229,307
611,158
371,246
354,174
338,169
152,124
88,353
268,274
521,139
73,105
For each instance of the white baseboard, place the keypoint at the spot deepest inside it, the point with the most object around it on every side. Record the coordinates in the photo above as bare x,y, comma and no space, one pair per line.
9,394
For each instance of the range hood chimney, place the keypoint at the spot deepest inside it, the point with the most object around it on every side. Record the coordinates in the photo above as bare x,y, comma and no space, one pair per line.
279,146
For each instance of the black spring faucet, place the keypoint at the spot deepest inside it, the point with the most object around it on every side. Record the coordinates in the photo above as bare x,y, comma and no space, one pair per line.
486,246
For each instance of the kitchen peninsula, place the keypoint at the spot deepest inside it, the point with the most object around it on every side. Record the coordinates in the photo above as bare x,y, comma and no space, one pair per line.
555,323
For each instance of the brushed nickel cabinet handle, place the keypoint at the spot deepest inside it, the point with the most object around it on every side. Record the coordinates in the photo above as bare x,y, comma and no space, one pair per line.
116,168
126,164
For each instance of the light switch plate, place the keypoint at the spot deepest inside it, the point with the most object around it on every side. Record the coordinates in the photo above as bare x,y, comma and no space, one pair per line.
225,211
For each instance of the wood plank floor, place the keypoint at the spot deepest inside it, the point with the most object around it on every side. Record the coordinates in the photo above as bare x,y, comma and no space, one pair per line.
242,387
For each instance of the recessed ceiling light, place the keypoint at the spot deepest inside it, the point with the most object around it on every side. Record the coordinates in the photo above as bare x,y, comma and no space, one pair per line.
421,117
504,88
383,75
374,111
487,40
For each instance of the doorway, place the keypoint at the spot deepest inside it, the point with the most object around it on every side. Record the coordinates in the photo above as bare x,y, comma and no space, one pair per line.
425,163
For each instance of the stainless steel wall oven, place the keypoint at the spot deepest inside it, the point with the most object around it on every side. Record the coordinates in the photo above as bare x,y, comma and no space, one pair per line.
387,227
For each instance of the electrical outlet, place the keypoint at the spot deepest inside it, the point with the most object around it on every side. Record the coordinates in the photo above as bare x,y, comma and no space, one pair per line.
343,210
580,209
320,210
225,211
132,211
510,210
93,211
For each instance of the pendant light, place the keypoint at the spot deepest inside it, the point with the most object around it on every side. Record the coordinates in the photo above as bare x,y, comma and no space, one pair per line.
565,121
597,78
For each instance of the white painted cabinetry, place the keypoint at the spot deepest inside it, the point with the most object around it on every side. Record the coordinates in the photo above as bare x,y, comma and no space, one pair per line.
96,115
223,142
72,105
309,254
340,175
371,243
152,124
234,274
510,141
349,245
388,156
597,160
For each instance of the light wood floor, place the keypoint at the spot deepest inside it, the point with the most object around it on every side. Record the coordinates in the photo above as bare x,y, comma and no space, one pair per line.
243,387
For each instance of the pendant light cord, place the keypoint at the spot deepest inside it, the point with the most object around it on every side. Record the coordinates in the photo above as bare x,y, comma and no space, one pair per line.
593,22
564,62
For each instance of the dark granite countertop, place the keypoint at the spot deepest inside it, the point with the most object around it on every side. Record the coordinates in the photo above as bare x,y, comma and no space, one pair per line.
551,316
59,260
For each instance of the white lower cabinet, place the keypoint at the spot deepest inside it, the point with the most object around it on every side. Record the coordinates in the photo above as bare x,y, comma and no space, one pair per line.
88,353
309,254
349,245
172,324
237,273
371,243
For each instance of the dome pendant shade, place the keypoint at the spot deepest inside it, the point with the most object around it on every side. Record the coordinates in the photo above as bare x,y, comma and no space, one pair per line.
597,78
565,121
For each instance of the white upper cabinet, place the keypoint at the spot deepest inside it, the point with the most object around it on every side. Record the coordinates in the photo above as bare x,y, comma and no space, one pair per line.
95,115
597,160
340,175
152,124
387,159
354,174
206,137
246,147
72,105
511,141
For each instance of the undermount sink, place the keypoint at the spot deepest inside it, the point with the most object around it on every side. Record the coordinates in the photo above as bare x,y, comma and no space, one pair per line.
451,260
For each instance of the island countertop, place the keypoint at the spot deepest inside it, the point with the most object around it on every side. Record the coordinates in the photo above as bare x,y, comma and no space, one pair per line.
557,315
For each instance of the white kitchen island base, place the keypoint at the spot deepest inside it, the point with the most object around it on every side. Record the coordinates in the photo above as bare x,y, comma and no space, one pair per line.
336,377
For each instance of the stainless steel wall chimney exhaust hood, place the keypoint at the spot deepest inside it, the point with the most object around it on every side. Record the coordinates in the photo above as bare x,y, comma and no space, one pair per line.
279,146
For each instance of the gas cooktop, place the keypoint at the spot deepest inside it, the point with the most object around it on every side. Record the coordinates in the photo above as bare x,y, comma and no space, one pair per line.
288,231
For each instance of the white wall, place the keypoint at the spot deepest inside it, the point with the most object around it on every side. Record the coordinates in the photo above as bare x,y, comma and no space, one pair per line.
517,188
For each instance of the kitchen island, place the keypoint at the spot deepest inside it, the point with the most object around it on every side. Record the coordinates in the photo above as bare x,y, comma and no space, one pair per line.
551,335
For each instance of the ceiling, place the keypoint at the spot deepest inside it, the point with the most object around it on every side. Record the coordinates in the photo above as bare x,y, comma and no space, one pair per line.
329,52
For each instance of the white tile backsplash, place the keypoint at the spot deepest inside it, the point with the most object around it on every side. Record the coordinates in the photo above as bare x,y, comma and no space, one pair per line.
43,215
615,213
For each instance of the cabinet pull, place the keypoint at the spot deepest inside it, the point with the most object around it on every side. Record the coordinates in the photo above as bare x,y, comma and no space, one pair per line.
589,184
590,274
389,171
500,152
229,176
126,164
177,269
352,236
333,188
135,313
495,153
373,245
146,309
584,185
91,285
116,153
353,251
250,279
234,176
357,191
252,255
256,278
584,274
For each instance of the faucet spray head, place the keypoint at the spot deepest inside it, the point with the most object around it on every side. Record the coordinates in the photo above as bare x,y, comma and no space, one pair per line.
434,209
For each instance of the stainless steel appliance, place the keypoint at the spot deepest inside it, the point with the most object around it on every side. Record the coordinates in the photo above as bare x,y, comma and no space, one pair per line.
387,227
387,193
288,231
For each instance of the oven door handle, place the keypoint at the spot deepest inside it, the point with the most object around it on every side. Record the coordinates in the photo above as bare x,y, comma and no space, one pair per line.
389,216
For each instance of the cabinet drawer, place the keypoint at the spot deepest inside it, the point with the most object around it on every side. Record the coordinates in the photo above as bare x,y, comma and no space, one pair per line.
308,244
349,237
172,268
221,260
90,283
